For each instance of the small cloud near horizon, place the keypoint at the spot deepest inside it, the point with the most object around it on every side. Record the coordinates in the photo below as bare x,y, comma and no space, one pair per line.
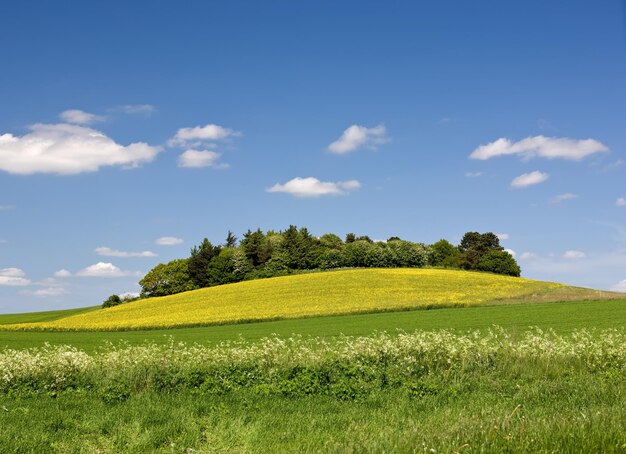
168,241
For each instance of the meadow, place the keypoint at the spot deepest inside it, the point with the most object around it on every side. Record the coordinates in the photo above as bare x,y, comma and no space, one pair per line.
550,377
422,391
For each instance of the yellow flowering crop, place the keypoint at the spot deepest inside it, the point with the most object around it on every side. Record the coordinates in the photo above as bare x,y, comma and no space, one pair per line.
305,295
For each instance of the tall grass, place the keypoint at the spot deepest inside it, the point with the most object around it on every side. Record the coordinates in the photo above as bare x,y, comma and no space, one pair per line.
416,392
345,368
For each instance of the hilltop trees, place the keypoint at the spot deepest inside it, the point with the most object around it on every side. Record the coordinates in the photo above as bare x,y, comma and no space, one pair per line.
273,253
474,246
167,279
199,260
499,262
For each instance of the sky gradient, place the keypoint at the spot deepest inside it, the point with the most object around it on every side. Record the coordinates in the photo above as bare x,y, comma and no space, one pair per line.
129,132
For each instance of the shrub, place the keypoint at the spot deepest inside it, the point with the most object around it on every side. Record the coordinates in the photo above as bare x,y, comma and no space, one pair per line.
499,262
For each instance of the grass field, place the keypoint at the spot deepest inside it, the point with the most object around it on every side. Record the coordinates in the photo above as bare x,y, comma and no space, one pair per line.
239,388
427,392
307,295
563,317
47,316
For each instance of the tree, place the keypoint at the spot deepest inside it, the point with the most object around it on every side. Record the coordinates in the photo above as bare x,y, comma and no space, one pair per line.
443,253
199,260
331,241
231,240
499,262
111,301
350,238
474,246
221,268
167,279
256,247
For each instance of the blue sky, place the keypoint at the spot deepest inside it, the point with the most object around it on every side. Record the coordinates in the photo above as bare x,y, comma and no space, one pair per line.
129,131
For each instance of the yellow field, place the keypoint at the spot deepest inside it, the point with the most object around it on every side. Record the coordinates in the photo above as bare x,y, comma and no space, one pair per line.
306,295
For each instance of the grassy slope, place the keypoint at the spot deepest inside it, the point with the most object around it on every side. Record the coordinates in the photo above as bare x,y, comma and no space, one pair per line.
47,316
307,295
563,317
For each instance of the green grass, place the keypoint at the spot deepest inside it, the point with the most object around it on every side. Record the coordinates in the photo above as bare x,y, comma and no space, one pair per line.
47,316
563,317
516,409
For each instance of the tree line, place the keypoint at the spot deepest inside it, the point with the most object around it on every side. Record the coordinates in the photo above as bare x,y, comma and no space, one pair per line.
266,254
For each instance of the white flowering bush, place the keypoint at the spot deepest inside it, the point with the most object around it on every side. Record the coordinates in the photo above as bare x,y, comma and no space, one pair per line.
346,367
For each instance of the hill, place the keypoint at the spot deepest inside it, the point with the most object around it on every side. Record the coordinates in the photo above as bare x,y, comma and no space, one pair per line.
315,294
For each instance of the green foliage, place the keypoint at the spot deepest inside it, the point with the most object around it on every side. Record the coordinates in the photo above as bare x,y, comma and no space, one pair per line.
231,240
256,247
220,269
167,279
279,253
111,301
474,246
199,261
443,253
499,262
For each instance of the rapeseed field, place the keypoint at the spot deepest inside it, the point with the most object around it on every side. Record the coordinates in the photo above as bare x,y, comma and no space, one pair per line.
306,295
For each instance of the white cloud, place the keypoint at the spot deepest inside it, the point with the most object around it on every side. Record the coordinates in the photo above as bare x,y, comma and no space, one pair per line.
46,292
138,109
312,187
614,165
620,286
198,158
511,251
473,174
62,273
562,198
528,256
529,179
108,252
357,136
13,277
129,295
573,255
79,117
169,241
621,202
102,269
65,149
503,236
208,133
540,146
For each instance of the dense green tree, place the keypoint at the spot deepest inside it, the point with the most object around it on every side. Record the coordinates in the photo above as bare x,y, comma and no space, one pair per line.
474,246
167,279
111,301
199,260
331,241
221,268
443,253
500,262
350,238
256,247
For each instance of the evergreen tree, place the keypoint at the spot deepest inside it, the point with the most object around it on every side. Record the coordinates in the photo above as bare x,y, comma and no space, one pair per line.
199,260
231,240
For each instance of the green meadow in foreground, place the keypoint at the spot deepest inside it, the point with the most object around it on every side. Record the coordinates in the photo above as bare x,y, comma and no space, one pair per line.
439,380
426,392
